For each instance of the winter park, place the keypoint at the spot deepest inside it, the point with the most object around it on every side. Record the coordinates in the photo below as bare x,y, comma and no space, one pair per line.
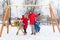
29,19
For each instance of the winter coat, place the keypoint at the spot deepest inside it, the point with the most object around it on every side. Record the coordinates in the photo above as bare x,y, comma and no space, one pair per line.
32,17
25,22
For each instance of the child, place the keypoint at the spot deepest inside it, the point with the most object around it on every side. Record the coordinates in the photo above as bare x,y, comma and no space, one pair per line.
37,27
37,23
25,22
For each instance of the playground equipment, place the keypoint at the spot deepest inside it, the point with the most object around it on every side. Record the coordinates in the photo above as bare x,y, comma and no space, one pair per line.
20,27
15,23
53,18
7,15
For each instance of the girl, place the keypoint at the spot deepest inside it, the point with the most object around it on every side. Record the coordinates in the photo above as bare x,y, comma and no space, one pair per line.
25,23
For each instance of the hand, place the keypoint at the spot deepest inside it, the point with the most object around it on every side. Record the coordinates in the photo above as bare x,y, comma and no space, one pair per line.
19,18
39,14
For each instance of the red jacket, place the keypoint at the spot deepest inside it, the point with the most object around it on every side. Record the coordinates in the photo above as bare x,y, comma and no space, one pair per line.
25,22
32,17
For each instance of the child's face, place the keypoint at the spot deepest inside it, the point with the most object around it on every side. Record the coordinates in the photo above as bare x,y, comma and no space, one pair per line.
31,12
25,15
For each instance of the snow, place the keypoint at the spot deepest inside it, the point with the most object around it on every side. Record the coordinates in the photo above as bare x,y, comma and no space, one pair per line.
46,33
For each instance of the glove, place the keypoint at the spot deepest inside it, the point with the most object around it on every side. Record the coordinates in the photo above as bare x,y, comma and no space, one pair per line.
39,14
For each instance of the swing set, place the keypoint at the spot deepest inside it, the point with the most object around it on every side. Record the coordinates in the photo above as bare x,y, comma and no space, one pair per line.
7,16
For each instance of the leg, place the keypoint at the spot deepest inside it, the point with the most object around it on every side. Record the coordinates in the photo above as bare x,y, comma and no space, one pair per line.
25,32
33,29
17,31
20,27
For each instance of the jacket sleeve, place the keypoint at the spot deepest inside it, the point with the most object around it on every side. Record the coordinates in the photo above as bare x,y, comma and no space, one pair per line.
20,18
28,16
36,15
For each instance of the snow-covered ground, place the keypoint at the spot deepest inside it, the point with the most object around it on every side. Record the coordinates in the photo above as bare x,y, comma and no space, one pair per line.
46,33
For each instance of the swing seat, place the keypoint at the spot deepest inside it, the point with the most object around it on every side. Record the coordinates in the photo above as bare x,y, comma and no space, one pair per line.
15,23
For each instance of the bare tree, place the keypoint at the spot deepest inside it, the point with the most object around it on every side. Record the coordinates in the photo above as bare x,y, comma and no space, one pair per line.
30,2
5,3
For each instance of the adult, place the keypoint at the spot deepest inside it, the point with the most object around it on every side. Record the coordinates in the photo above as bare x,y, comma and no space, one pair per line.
32,16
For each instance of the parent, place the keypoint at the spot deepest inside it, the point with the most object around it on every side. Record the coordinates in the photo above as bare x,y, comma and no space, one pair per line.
32,16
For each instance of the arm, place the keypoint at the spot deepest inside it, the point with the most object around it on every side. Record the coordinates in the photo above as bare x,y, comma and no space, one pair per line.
36,15
20,18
